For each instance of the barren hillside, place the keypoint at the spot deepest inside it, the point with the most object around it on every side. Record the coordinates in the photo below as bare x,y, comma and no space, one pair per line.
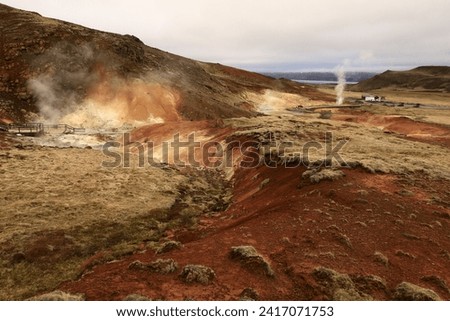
50,66
433,78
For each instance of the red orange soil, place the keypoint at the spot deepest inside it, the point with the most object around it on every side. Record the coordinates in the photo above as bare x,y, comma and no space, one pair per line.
195,132
136,100
299,226
161,132
407,127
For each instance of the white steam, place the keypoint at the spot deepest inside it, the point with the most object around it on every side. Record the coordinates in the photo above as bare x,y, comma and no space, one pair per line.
65,74
49,98
340,87
78,88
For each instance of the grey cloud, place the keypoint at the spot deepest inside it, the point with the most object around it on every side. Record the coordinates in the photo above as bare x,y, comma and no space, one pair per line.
264,35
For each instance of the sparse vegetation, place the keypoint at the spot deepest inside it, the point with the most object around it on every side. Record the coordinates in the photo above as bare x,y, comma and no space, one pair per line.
404,254
406,291
249,294
410,236
436,281
264,183
168,246
189,217
361,223
317,175
136,297
344,240
58,296
251,259
339,287
445,254
370,284
159,266
328,255
341,221
197,274
74,220
381,258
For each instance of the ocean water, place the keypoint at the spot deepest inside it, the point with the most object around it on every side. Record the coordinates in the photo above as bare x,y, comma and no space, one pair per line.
321,82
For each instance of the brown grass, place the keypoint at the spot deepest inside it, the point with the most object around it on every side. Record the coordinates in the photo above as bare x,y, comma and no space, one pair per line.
366,147
318,175
58,296
381,258
159,266
197,274
339,287
60,207
410,292
251,259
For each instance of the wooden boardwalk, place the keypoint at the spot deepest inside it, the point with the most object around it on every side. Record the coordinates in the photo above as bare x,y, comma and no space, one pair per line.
27,129
38,129
66,129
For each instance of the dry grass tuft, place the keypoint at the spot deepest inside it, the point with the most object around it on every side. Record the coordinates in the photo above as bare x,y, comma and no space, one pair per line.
249,294
251,259
410,236
168,246
381,258
370,283
58,296
406,291
159,266
344,240
445,254
339,287
437,281
264,183
401,253
136,297
197,274
316,176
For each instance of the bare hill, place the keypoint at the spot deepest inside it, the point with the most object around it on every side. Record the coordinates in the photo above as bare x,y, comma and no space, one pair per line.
433,78
52,67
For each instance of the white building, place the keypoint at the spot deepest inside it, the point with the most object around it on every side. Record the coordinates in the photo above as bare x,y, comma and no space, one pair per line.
372,98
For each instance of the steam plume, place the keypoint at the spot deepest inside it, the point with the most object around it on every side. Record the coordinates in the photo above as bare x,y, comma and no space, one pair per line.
340,87
65,76
78,88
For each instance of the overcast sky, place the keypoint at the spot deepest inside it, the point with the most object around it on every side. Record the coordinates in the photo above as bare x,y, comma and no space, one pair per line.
278,35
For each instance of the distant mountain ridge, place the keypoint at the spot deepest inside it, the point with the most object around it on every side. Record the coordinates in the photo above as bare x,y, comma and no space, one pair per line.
434,78
351,76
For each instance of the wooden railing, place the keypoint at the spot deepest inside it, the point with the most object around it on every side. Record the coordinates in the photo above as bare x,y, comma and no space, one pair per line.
67,129
27,129
37,129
